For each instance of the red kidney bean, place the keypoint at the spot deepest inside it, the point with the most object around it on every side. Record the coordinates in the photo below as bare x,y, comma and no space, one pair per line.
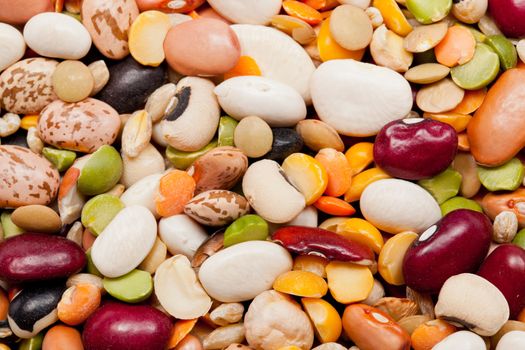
310,240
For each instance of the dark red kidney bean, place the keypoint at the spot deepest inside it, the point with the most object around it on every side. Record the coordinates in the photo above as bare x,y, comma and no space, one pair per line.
415,149
456,244
34,308
38,257
311,240
120,326
510,16
505,268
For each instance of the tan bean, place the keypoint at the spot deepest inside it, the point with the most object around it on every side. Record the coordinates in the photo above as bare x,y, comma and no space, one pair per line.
227,313
397,308
224,336
505,227
466,165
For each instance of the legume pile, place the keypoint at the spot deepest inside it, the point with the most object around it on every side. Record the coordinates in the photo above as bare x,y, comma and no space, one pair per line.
262,174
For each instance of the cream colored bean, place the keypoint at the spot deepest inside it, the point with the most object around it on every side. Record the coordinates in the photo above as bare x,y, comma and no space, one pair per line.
505,227
521,49
388,51
487,26
224,336
100,73
136,134
375,16
253,136
227,313
75,233
33,140
439,97
9,124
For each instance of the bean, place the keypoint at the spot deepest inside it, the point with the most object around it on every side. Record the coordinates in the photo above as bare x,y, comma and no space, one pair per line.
62,338
78,303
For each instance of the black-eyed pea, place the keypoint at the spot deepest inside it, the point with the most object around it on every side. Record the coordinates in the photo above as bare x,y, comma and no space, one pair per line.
509,326
470,300
78,303
191,123
159,100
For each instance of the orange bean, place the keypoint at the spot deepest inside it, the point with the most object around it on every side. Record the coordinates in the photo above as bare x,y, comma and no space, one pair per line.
360,156
334,206
301,283
4,304
193,14
428,334
180,330
62,338
471,101
88,238
338,171
175,190
458,121
463,142
245,66
302,11
315,4
11,292
190,342
457,47
68,181
372,329
521,316
78,303
29,121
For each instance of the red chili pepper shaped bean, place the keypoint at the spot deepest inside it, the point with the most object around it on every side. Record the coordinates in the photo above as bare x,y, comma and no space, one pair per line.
316,241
